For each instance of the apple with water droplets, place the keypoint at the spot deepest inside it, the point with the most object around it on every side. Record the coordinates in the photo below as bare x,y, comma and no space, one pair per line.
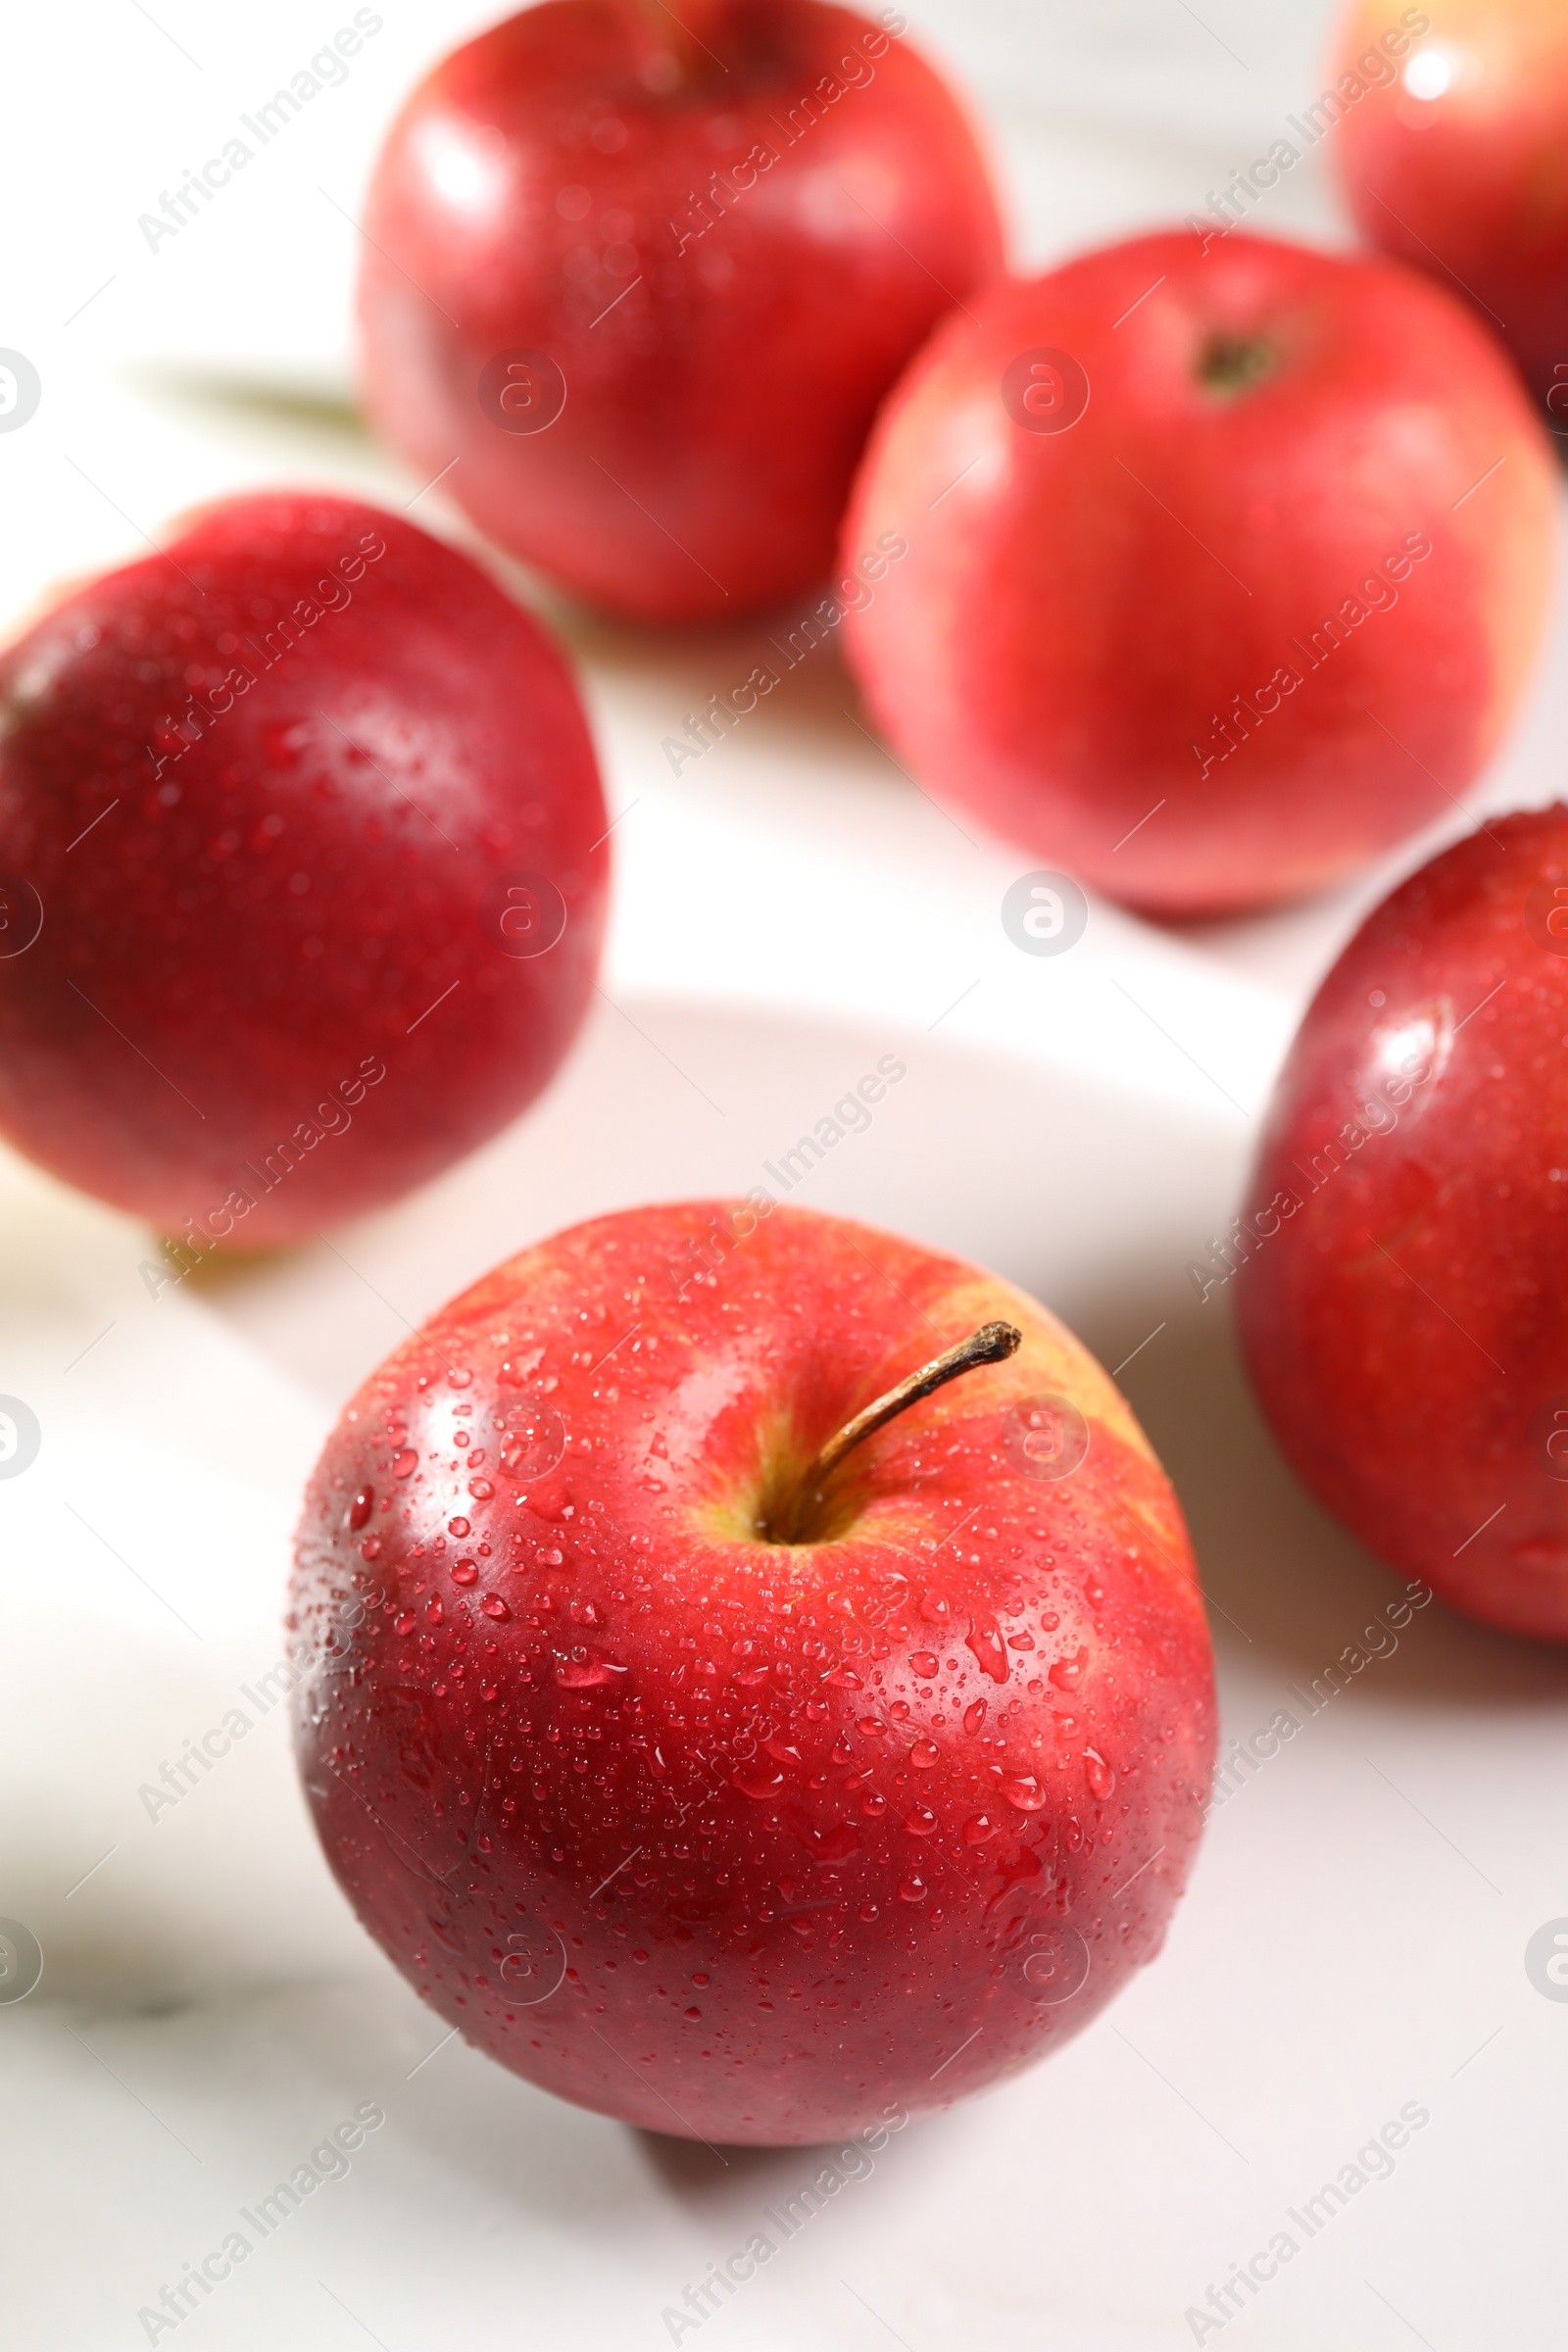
1228,563
303,872
753,1676
635,279
1452,148
1403,1257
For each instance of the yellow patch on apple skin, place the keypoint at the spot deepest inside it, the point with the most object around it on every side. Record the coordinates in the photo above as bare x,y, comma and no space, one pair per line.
1051,1361
1518,564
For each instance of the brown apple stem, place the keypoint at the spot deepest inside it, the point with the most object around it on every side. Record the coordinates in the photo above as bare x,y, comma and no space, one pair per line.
686,28
992,1343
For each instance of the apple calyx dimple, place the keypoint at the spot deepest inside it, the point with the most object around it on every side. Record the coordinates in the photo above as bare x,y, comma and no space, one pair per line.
992,1343
1230,365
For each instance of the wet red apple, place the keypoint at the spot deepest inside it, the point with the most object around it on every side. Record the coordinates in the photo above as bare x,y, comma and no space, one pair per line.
1455,158
714,1750
302,876
1227,567
1405,1240
640,276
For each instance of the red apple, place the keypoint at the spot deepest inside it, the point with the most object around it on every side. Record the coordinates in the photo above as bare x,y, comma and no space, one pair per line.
1405,1243
303,878
1226,570
704,1788
640,276
1454,149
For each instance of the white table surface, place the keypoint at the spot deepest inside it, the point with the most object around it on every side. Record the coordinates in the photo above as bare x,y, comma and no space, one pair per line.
1353,1936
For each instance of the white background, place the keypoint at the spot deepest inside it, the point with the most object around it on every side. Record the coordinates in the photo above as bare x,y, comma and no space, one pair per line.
1353,1936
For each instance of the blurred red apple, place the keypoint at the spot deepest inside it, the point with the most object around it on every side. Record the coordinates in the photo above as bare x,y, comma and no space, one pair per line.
704,1789
640,277
302,871
1226,567
1405,1244
1456,160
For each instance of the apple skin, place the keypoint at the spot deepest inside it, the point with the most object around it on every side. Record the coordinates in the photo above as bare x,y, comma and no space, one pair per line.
1403,1322
262,852
1471,182
1080,608
713,416
792,1820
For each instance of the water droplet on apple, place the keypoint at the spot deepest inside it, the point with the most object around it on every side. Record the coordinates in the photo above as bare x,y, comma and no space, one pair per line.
1098,1773
912,1890
978,1828
1024,1792
923,1664
924,1754
984,1640
404,1462
920,1821
359,1509
586,1672
1068,1673
974,1716
759,1783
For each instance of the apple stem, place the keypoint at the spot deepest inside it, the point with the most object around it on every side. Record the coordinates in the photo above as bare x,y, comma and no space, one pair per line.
992,1343
681,34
